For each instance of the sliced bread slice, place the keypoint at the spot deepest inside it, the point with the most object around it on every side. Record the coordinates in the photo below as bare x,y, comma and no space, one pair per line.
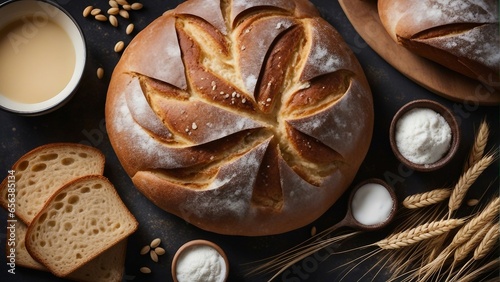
23,258
42,171
80,221
107,267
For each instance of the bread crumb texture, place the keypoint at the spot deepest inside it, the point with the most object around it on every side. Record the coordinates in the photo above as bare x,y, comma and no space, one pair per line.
40,172
217,105
79,222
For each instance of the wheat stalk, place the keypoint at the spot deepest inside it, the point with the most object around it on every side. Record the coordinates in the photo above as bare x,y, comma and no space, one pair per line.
427,198
457,196
488,243
479,146
470,274
479,221
286,259
463,251
466,180
419,233
463,235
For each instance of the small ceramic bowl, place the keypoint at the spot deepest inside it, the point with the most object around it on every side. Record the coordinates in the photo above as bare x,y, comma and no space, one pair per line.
372,227
34,15
450,119
190,246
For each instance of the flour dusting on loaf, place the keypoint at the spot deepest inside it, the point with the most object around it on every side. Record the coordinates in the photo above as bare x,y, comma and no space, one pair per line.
461,35
260,127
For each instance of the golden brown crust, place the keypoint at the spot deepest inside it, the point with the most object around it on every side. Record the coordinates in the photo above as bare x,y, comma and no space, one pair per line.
460,35
274,122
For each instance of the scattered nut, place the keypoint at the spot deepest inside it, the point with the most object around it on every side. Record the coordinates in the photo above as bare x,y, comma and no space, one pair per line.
119,46
100,73
86,11
113,20
145,250
113,11
153,255
155,243
113,4
127,7
160,251
472,202
136,6
313,231
122,2
101,18
124,14
95,11
145,270
130,28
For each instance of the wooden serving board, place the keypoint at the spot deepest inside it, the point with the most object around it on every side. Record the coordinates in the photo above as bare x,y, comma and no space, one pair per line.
364,17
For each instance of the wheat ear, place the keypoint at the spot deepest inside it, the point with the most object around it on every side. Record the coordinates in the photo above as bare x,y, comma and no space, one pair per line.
427,198
463,251
466,180
480,142
463,235
488,243
479,221
419,233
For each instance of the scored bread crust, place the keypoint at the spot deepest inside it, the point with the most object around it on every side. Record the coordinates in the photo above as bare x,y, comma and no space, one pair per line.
241,117
43,170
80,221
460,35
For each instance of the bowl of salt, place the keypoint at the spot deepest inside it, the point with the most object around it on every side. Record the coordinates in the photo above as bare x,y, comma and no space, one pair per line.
200,261
372,206
424,135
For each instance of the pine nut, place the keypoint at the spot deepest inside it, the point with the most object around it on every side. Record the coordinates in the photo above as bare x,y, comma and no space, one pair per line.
160,251
155,243
86,11
100,73
101,18
136,6
95,12
145,250
472,202
313,231
124,14
119,46
126,7
113,11
153,256
113,4
113,20
145,270
130,28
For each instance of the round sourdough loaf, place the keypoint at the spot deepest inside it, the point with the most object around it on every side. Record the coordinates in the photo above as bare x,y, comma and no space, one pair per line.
241,117
462,35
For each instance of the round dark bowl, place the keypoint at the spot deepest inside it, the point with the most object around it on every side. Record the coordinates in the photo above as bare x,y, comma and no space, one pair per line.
450,119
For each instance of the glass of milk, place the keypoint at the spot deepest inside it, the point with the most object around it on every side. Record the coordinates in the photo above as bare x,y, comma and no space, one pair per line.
42,56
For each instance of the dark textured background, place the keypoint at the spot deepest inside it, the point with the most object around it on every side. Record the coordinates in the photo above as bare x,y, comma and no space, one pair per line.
82,120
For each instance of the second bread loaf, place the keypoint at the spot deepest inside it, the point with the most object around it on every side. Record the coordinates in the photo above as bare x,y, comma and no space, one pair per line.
461,35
